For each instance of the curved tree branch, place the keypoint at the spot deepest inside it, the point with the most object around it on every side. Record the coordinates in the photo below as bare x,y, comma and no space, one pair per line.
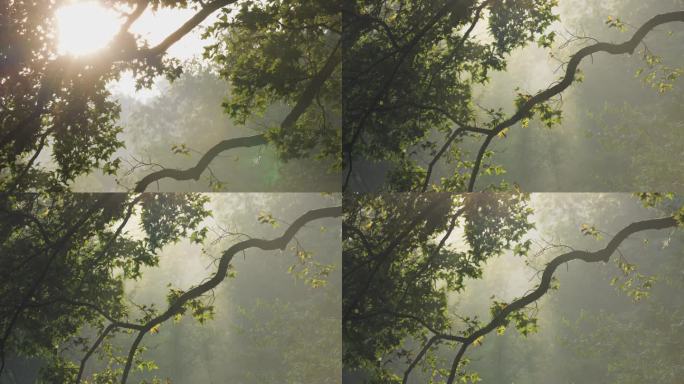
221,273
196,171
304,101
524,111
602,255
189,25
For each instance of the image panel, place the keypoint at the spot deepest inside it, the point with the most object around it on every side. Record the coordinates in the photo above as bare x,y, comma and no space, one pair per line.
502,288
170,96
170,288
553,96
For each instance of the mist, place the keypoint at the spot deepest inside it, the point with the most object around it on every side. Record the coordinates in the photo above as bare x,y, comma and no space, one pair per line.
590,329
276,317
620,131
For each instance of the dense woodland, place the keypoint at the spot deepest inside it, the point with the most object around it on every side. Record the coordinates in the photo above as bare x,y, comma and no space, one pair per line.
500,287
471,95
160,288
267,78
103,288
440,120
508,97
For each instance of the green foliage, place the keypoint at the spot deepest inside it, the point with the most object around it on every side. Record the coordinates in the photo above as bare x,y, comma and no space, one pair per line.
590,230
312,272
633,283
65,259
653,199
60,106
524,322
656,74
170,217
615,22
399,267
547,114
270,52
411,71
202,309
181,149
267,218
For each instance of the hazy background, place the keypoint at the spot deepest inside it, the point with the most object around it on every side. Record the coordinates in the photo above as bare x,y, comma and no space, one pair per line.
188,114
618,134
271,326
589,330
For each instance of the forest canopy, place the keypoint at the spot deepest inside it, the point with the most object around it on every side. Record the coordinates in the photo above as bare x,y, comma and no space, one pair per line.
429,278
448,126
439,95
98,288
60,121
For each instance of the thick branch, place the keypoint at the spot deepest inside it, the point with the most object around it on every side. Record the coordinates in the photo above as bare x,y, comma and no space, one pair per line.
222,271
139,9
418,358
304,101
189,25
92,350
627,47
602,255
312,89
196,171
450,139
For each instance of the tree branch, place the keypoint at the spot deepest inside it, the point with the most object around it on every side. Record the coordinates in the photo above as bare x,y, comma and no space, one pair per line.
189,25
405,50
602,255
313,88
139,9
57,69
447,8
196,171
627,47
221,273
92,350
304,101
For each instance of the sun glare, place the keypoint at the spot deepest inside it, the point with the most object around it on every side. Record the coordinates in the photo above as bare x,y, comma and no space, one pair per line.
85,27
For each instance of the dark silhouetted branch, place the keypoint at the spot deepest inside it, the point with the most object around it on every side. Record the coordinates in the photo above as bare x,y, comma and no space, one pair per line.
196,171
627,47
602,255
221,273
189,25
303,102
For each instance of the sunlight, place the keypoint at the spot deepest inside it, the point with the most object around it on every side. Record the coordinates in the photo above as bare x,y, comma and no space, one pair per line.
85,27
